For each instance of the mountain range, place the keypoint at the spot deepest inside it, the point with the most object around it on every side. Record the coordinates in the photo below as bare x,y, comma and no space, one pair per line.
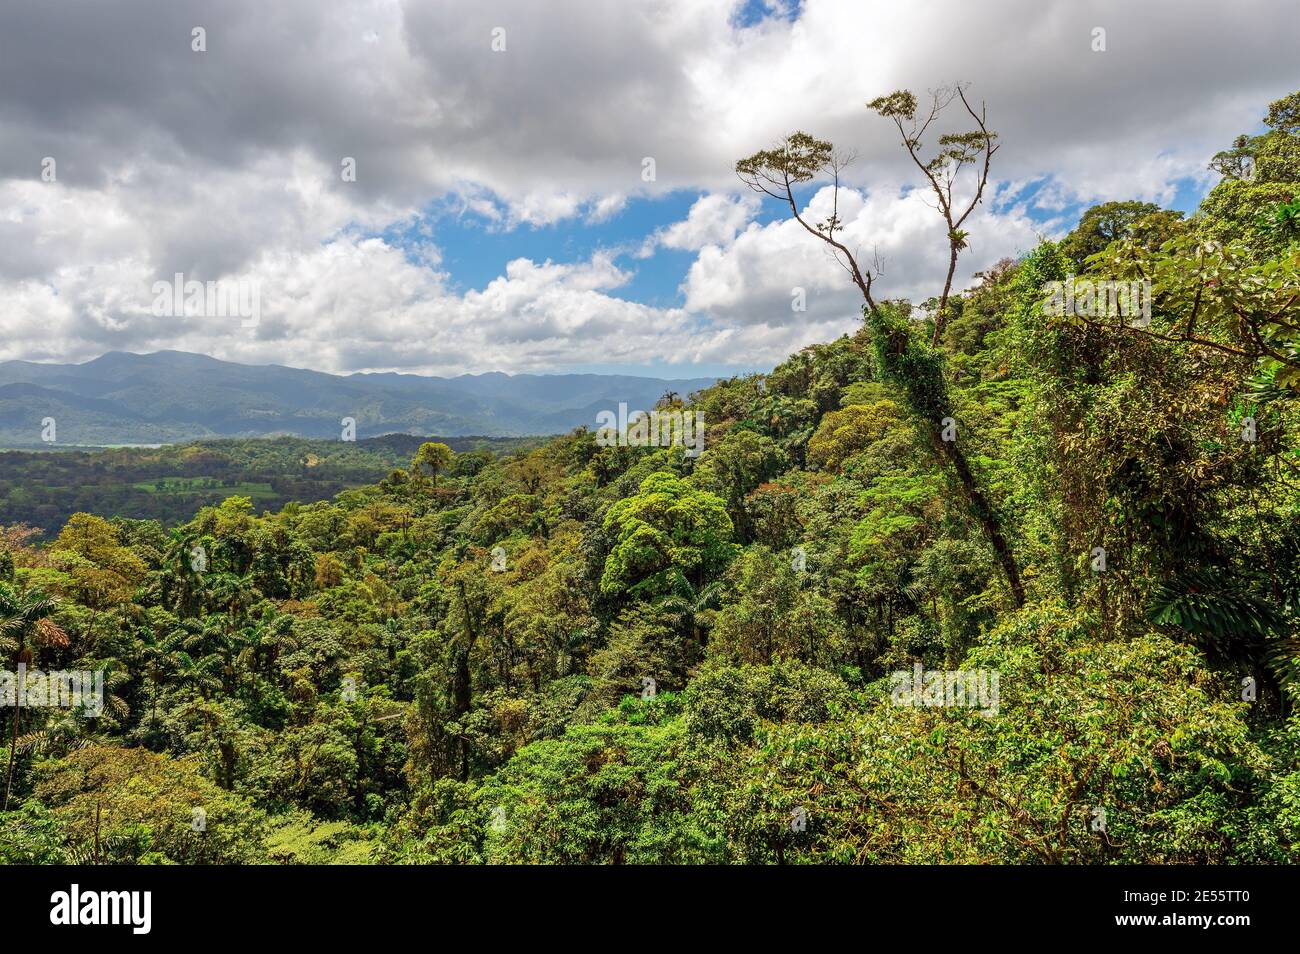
174,396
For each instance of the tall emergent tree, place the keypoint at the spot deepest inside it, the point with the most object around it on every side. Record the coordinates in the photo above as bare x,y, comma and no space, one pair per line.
914,367
432,458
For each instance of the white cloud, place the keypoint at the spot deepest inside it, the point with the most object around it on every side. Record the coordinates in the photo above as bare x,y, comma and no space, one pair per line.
753,278
227,163
713,219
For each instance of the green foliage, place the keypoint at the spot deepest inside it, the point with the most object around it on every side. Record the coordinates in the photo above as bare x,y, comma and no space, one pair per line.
799,158
667,537
131,806
613,793
299,839
1133,729
432,458
773,616
549,651
1100,225
45,488
844,433
1260,176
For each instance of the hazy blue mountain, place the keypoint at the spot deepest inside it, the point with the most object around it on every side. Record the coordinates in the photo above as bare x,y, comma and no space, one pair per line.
170,396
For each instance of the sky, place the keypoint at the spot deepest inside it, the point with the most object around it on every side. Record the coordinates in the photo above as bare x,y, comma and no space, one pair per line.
549,186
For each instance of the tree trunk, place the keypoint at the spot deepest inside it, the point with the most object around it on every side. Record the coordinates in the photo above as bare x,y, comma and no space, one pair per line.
985,515
943,299
921,376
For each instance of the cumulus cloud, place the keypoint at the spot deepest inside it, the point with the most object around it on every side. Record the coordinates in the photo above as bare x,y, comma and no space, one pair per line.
713,219
898,235
226,163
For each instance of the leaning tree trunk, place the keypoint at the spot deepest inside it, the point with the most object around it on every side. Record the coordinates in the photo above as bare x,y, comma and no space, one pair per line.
919,372
985,515
941,316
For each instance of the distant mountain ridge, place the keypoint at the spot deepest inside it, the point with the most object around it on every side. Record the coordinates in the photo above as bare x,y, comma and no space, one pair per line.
171,396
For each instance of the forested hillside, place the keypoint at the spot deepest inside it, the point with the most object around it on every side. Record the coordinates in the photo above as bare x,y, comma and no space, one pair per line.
608,654
168,484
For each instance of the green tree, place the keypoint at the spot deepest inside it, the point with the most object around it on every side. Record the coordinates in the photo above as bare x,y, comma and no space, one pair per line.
1112,221
843,433
669,537
1260,178
431,459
